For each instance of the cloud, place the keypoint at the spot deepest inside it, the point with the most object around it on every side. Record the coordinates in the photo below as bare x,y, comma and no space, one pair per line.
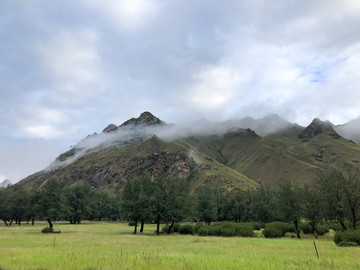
69,68
128,15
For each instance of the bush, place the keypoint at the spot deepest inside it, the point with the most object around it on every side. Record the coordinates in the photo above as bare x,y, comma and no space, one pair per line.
176,227
306,228
131,223
227,232
245,229
186,229
276,229
347,244
203,231
165,228
256,225
47,230
198,226
322,229
347,236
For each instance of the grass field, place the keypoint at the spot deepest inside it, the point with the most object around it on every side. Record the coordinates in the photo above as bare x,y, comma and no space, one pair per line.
112,246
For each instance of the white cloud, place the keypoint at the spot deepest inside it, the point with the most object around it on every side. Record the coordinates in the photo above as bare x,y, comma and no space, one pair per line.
71,59
213,88
128,15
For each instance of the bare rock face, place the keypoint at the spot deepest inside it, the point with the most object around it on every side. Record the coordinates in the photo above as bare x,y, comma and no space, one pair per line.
244,133
145,119
110,128
180,169
316,127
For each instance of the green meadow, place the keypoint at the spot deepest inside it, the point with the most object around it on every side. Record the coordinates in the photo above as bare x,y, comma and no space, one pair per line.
103,245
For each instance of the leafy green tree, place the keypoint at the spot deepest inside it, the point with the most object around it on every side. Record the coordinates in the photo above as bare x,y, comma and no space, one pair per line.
50,201
312,207
289,204
159,201
20,206
5,205
78,203
206,205
177,200
351,189
131,204
331,187
262,207
240,205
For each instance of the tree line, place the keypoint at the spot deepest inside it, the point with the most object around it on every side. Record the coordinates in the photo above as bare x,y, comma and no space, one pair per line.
334,196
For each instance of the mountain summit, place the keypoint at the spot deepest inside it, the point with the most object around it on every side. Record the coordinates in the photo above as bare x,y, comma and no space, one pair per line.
316,127
145,119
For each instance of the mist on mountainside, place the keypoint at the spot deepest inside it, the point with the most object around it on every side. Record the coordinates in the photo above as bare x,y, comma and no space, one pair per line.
147,125
350,130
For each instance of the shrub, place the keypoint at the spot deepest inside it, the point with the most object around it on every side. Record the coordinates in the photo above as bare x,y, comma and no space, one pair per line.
186,229
227,232
47,230
256,225
203,231
306,228
165,228
176,227
276,229
322,229
245,229
198,226
348,244
272,232
347,236
131,223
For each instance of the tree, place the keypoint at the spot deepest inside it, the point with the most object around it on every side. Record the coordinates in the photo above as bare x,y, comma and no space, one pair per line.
351,188
177,200
262,204
312,207
5,205
240,205
206,205
331,187
78,203
131,205
159,201
50,201
289,204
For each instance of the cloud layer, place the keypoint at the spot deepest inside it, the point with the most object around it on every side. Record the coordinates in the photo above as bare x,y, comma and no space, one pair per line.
70,68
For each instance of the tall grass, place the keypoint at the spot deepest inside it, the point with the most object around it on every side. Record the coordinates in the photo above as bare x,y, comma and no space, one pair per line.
112,246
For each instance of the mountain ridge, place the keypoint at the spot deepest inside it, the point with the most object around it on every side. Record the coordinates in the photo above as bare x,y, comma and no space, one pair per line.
205,154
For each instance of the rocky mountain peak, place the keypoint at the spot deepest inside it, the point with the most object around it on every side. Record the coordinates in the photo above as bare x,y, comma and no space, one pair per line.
145,119
240,132
110,128
316,127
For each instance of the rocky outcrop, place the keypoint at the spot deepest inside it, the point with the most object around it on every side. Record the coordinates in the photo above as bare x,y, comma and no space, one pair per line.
317,127
244,133
110,128
145,119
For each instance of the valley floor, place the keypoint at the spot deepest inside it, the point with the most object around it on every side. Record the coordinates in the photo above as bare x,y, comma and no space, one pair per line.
103,245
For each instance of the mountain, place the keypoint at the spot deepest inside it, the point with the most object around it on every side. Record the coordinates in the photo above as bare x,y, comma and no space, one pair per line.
5,183
350,130
224,155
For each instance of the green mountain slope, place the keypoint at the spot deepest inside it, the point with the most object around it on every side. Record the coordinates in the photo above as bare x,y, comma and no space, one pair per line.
235,158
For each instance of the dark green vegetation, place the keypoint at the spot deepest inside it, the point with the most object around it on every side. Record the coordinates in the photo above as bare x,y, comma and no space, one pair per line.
221,156
331,203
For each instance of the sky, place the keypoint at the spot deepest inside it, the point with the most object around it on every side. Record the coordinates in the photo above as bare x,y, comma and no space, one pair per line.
70,68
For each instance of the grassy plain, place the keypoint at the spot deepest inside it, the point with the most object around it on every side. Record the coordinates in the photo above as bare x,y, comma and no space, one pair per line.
112,246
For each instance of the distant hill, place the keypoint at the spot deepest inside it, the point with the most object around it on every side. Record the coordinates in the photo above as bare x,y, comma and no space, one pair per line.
227,155
5,183
350,130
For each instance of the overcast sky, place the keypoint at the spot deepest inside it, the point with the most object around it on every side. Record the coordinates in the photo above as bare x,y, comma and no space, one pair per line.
69,68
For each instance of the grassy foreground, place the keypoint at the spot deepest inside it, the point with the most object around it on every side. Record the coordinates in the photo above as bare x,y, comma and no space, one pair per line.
112,246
